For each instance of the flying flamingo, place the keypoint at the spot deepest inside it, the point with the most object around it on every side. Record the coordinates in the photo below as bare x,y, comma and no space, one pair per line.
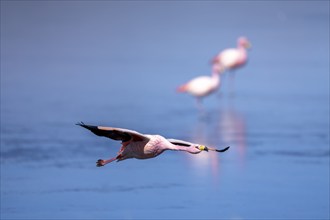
142,146
203,85
233,58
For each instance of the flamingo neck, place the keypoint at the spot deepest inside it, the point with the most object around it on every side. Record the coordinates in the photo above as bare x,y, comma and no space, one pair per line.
243,55
190,149
215,74
216,78
216,70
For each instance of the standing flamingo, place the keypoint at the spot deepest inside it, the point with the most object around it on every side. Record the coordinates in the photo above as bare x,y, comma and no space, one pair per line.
233,58
203,85
142,146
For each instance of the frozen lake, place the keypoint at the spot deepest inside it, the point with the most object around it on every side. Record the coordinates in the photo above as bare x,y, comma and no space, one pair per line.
118,64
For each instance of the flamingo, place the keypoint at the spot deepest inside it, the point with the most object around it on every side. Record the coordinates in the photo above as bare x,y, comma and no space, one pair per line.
233,58
202,86
142,146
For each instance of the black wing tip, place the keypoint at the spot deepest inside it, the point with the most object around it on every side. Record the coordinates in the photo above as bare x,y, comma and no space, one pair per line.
223,150
89,127
80,123
113,134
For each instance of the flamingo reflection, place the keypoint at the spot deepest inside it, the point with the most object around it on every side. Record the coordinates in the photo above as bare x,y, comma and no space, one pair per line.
231,129
205,163
223,127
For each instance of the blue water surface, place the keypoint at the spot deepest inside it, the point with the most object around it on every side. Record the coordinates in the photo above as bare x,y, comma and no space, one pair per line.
118,63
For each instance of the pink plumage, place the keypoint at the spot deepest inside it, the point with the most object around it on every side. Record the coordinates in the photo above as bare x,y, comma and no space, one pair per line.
233,58
142,146
202,86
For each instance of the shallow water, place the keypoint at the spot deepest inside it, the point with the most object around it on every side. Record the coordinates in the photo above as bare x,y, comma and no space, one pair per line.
118,64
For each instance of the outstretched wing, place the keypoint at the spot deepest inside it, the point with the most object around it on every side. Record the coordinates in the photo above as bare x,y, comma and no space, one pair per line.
118,134
180,142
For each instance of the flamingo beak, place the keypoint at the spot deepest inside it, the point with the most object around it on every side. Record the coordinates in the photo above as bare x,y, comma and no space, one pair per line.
202,147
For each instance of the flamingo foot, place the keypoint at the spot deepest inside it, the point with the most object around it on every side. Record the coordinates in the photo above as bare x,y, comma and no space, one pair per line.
100,163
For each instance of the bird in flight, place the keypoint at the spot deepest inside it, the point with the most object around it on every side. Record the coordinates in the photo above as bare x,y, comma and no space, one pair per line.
142,146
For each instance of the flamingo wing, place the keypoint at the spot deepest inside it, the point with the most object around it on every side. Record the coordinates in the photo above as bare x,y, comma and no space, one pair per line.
200,86
115,133
229,57
180,142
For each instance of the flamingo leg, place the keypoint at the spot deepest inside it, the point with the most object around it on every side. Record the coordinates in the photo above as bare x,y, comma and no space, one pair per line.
232,83
101,162
199,105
